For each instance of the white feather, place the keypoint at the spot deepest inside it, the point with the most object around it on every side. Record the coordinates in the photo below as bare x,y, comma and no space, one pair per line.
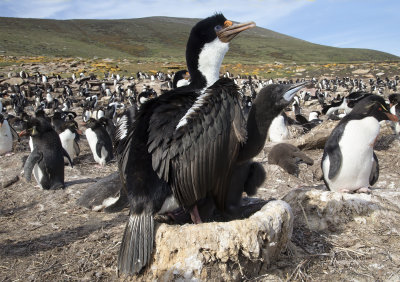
67,138
278,130
210,59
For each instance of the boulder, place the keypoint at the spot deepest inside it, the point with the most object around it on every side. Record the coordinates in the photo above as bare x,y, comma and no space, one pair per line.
223,251
316,138
319,209
14,81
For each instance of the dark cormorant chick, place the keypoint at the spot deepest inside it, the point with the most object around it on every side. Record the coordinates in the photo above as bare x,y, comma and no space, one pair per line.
270,102
288,157
181,147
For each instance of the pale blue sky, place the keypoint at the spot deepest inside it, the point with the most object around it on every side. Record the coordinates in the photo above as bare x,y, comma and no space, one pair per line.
372,24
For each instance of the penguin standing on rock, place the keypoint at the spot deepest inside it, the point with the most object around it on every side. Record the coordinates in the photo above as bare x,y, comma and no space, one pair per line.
99,141
349,163
46,159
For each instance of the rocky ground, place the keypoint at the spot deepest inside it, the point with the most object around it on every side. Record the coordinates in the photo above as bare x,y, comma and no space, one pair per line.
46,236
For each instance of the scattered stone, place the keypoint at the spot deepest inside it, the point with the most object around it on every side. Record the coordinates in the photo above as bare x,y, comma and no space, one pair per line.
9,182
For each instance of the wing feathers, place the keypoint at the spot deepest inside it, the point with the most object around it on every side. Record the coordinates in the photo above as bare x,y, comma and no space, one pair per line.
196,156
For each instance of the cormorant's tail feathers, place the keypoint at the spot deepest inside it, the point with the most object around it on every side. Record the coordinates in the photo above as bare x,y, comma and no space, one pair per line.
137,244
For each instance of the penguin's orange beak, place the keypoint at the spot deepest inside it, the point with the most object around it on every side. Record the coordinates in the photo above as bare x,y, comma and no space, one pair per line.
23,133
1,124
79,132
392,117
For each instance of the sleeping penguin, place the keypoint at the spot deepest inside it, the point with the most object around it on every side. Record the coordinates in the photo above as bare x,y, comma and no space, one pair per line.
69,136
349,163
99,141
46,159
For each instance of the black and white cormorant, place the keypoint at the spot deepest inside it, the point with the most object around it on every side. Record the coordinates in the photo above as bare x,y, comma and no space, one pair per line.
178,150
193,142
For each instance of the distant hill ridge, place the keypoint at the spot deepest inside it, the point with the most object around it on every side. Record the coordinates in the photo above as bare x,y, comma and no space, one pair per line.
160,39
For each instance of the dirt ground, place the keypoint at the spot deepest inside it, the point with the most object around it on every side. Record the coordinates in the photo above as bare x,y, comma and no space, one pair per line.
46,236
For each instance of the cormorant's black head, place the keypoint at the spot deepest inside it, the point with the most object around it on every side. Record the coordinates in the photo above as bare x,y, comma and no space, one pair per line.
375,106
207,45
278,96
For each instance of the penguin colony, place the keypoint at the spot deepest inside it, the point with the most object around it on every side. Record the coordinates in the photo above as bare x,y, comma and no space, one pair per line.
192,145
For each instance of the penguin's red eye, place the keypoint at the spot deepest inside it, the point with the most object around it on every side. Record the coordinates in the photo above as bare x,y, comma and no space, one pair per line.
380,109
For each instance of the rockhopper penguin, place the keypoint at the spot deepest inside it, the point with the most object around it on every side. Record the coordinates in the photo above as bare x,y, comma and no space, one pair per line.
349,163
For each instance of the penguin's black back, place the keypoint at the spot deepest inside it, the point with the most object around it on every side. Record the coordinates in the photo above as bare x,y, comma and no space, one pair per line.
104,136
48,143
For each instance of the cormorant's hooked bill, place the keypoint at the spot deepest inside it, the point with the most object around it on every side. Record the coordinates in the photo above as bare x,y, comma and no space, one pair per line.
230,30
288,96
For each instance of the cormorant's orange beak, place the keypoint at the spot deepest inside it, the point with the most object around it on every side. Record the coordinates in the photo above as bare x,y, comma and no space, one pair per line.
230,30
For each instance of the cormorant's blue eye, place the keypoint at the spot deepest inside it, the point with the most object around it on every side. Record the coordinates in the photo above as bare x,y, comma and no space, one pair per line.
218,28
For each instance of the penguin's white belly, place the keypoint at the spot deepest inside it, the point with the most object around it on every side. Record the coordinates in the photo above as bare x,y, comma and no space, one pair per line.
356,146
5,139
278,130
30,143
38,174
67,141
92,140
